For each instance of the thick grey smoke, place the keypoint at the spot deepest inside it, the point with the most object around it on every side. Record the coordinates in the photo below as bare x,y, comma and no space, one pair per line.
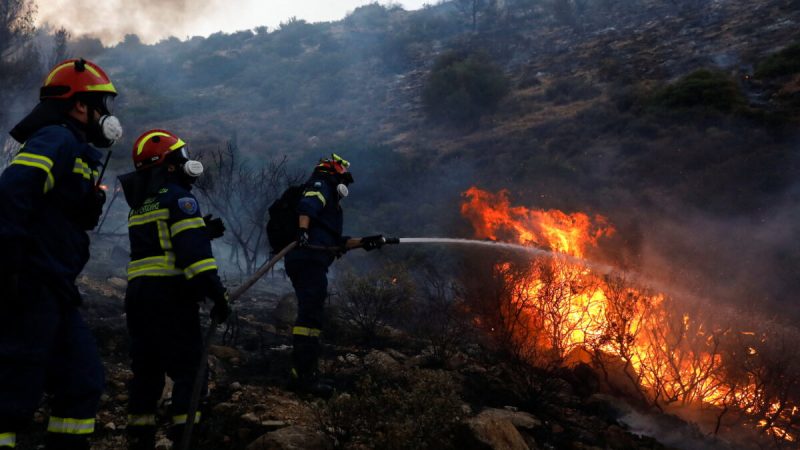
111,20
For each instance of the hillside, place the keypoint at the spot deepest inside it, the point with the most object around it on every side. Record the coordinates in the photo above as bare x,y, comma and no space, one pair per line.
643,153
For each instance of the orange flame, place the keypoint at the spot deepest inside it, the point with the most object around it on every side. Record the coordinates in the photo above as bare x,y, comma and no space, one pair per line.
675,357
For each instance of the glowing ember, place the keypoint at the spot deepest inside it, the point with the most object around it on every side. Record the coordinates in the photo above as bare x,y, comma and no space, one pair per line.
562,309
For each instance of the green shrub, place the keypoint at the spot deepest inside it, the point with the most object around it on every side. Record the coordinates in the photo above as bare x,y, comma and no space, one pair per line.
461,87
410,409
785,62
701,89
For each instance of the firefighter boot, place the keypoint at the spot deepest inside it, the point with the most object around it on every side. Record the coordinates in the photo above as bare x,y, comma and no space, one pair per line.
141,438
304,378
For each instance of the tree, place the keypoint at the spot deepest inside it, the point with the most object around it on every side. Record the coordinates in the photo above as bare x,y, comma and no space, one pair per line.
471,8
18,56
236,190
60,41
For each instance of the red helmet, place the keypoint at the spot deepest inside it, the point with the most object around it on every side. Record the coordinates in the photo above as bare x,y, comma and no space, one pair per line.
335,164
151,148
74,76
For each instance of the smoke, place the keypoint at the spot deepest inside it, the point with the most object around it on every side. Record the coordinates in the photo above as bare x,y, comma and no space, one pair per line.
111,20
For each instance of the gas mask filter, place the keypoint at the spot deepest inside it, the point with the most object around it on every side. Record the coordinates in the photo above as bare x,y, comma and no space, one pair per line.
193,168
342,190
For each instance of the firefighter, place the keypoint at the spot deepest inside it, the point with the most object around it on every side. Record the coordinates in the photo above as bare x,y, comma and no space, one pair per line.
49,198
320,241
172,270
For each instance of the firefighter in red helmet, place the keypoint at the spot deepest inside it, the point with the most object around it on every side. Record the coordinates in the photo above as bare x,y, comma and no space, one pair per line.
49,199
172,270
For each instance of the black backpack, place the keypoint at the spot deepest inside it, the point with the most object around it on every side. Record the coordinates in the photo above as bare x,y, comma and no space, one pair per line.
282,223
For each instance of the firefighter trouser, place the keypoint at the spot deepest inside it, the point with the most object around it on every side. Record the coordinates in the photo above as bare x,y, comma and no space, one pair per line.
310,281
45,346
166,339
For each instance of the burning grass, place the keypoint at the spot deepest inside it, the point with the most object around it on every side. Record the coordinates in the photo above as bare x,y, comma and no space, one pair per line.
670,352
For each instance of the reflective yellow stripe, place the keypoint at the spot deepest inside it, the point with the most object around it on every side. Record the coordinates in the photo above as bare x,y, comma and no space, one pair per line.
70,426
199,267
154,266
141,420
305,331
163,235
181,418
8,440
40,162
99,87
144,140
186,224
318,195
341,160
152,216
82,169
55,71
178,144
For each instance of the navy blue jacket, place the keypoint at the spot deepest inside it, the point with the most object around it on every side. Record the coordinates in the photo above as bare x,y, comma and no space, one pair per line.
169,239
42,194
320,202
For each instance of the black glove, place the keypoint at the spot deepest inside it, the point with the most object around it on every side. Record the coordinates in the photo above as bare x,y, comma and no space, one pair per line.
221,309
302,237
372,242
92,208
214,227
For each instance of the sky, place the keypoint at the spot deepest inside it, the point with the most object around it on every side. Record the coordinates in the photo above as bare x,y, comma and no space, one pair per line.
154,20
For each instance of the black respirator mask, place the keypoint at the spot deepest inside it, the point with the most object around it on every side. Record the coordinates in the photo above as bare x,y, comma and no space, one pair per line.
107,130
190,169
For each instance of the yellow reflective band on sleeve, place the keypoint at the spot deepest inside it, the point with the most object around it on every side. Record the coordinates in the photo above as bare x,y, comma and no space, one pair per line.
163,235
82,169
40,162
186,224
152,216
318,195
8,440
199,267
70,426
141,420
305,331
180,419
154,266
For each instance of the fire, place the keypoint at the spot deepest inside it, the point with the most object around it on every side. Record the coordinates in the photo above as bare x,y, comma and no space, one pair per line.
562,308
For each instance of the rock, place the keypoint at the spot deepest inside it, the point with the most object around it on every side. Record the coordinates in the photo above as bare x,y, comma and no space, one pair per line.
381,360
519,419
224,353
292,438
224,408
491,434
236,386
122,397
110,426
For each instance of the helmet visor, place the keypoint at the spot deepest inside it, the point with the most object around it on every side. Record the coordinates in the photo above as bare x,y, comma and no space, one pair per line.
107,104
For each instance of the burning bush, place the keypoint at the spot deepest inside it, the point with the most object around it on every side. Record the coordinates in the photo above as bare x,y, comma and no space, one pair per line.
667,351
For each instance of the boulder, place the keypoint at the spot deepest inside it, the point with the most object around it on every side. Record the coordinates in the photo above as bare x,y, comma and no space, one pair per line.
224,353
285,311
485,432
292,438
519,419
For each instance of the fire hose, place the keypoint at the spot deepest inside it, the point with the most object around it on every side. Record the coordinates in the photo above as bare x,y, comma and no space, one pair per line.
197,387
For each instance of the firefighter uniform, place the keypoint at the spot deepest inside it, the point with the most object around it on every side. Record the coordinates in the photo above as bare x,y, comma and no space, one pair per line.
47,202
308,268
172,269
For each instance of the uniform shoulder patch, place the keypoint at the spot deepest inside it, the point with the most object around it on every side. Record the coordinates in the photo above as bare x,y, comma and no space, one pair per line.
187,205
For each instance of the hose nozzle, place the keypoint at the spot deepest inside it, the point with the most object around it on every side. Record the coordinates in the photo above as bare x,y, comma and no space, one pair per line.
391,240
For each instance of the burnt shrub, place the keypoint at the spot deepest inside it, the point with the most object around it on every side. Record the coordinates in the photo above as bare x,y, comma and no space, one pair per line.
408,409
463,86
367,302
784,62
702,89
